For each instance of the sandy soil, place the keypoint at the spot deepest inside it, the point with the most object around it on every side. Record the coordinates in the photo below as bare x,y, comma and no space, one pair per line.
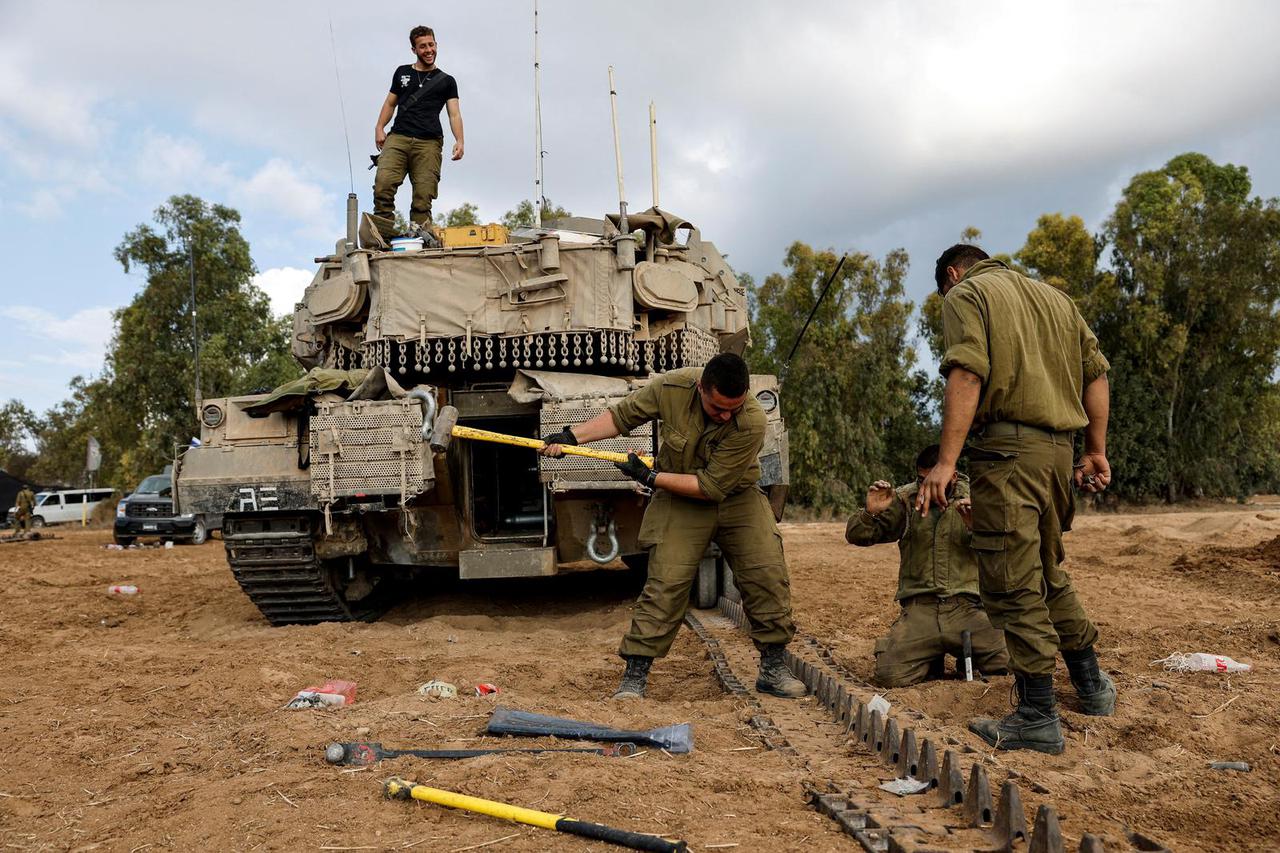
156,722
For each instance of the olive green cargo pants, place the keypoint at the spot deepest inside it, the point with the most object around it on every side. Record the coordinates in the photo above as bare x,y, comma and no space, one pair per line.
22,521
929,627
1022,504
676,530
420,160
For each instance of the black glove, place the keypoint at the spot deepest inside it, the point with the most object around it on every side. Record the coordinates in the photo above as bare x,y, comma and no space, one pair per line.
638,471
564,436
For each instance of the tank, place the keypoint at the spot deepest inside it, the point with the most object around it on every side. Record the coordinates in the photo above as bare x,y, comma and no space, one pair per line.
332,491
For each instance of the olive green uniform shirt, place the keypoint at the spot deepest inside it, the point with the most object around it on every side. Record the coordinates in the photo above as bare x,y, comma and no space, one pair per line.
935,555
722,456
1028,344
26,500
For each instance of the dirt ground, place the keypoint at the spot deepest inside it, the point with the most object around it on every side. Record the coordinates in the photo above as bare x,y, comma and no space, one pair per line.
156,722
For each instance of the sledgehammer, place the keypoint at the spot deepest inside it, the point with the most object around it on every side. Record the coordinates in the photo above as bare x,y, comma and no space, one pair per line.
536,444
363,753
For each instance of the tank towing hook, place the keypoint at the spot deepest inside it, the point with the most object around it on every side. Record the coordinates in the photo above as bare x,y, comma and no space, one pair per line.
603,526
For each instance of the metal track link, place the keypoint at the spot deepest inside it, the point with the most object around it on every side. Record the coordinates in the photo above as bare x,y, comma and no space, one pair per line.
957,811
273,559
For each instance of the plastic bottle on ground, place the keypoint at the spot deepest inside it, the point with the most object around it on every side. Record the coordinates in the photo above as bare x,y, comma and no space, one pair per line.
122,589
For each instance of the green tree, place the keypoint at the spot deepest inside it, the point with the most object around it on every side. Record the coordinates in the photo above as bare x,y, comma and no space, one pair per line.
17,434
1188,315
854,409
142,405
522,214
464,214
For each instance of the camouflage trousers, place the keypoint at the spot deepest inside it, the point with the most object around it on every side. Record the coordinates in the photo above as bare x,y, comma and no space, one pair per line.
676,531
419,159
928,628
1022,504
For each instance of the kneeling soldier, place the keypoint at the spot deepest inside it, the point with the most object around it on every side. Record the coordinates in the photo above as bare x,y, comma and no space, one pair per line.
704,484
937,581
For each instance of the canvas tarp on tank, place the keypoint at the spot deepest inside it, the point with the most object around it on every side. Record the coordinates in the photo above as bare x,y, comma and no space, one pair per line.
362,383
502,291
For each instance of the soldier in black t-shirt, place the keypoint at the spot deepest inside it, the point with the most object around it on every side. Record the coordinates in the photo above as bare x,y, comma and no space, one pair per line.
416,142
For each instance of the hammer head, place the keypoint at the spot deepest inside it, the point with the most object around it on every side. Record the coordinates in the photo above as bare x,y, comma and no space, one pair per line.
442,431
356,753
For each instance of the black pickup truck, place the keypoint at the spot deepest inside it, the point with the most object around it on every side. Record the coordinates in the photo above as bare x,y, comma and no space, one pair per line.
149,512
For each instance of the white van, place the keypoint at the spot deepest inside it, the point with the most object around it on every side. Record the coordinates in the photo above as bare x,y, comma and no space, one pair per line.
60,507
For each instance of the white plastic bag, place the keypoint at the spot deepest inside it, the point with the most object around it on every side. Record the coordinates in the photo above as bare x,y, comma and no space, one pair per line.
1202,662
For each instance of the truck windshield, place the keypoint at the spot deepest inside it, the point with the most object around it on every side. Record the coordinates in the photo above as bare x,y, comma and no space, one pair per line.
153,485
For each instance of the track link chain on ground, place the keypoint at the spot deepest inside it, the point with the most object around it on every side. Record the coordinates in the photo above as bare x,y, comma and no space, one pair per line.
956,812
273,559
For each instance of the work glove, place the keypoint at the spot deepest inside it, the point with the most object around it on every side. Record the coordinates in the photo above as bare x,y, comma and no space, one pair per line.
638,471
564,436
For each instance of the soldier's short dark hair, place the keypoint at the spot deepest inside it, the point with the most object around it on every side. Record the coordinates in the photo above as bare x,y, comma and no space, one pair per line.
961,256
928,457
418,32
728,374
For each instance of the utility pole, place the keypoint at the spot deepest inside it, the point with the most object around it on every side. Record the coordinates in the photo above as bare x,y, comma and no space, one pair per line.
195,327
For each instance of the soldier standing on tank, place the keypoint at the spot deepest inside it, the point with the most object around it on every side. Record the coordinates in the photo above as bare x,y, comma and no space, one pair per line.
704,490
937,580
416,143
26,503
1023,373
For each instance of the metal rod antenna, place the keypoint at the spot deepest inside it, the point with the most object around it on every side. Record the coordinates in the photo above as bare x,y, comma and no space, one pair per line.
786,364
195,328
346,134
538,190
617,156
653,151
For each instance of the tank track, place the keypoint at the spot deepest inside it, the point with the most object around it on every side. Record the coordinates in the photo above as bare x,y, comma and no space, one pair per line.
273,558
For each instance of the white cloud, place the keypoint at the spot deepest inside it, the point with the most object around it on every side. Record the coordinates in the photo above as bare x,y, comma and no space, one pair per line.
278,187
56,112
166,161
90,328
284,287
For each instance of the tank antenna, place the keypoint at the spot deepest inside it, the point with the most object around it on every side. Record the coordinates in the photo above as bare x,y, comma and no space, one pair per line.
538,192
653,152
617,156
342,107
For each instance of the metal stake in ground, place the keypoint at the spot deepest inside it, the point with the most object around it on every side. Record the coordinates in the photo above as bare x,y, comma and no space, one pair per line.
402,790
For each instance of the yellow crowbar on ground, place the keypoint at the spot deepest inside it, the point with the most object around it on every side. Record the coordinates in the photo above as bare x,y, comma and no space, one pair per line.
401,789
536,444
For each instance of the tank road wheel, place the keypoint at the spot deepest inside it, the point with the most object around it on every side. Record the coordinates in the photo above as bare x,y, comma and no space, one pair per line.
199,533
706,587
273,558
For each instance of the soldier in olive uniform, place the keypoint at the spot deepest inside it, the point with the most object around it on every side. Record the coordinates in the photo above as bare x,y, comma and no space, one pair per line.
937,580
1023,374
704,484
26,503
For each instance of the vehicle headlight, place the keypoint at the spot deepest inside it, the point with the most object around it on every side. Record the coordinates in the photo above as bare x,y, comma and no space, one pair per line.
120,510
186,517
768,400
211,415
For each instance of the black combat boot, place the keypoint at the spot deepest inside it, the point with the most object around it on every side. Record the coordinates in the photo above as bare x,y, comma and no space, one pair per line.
1034,723
635,679
1096,690
775,679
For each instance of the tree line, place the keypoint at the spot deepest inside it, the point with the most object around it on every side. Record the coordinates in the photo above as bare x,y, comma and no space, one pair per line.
1181,283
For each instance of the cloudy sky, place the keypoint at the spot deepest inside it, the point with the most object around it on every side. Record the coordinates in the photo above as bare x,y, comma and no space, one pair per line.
866,126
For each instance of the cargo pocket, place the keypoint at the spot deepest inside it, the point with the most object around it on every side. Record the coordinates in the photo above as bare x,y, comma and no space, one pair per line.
993,562
653,527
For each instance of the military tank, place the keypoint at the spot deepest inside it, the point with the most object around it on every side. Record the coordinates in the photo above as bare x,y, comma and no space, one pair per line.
334,489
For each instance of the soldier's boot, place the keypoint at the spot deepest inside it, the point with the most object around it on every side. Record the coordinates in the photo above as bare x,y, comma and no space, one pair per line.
635,679
775,679
1095,689
1034,723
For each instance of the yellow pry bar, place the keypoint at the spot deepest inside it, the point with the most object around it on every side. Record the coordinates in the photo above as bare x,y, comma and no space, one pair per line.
535,444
